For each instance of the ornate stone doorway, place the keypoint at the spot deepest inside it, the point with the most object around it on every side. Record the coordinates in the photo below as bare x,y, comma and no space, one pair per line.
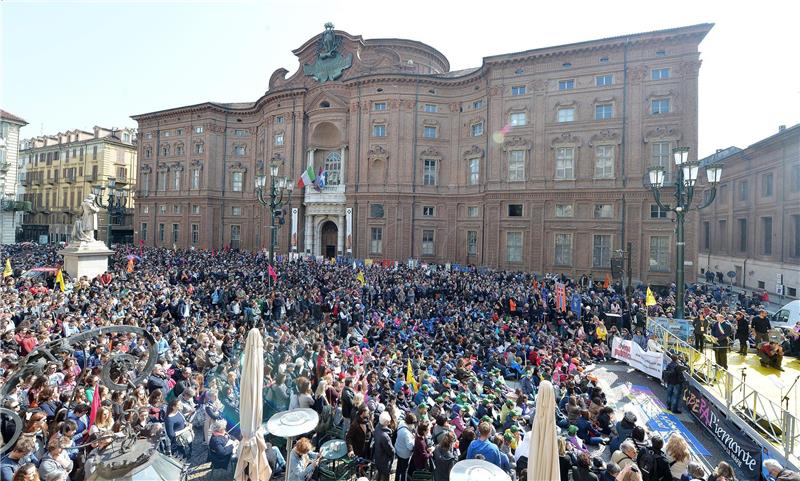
329,235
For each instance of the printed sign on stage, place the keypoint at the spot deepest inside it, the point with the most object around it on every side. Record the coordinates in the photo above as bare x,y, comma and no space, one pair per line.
742,451
650,363
682,328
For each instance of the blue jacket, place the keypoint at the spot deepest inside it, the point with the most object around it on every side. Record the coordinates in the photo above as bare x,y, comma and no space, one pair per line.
488,449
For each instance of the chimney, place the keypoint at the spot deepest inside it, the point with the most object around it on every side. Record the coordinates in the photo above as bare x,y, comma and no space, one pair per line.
781,128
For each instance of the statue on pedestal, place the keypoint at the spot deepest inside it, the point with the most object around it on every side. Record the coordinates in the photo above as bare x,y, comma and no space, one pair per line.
84,228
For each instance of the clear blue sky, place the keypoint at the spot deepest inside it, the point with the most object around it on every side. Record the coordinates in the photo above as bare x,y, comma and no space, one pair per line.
71,64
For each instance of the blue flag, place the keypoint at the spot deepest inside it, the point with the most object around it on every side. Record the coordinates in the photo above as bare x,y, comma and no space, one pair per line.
575,304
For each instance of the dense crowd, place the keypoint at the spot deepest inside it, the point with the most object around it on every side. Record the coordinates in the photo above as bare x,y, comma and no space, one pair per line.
416,368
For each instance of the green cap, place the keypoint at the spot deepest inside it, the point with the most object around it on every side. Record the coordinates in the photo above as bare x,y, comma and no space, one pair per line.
572,429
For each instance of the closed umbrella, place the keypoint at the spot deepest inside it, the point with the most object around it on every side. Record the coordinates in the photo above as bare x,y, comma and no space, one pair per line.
252,449
543,454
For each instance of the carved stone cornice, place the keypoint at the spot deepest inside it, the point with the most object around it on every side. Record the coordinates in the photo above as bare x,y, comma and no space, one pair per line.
638,73
162,167
605,137
516,143
474,151
377,152
566,140
197,164
176,166
430,153
145,168
237,167
220,129
663,133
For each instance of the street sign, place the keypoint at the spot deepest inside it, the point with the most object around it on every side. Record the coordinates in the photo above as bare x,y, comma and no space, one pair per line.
779,289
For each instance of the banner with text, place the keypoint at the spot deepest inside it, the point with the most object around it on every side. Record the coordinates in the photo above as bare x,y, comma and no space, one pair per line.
650,363
682,328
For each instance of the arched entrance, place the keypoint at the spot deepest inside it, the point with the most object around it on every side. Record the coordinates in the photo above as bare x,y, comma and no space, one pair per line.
329,235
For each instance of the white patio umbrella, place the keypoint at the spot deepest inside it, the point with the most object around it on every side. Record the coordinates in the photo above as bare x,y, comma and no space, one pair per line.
252,454
543,454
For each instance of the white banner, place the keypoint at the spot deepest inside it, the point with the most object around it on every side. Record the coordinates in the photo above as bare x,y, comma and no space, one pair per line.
651,363
294,229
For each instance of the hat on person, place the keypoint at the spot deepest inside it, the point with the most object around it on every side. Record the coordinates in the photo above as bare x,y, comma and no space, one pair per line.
630,417
514,428
572,429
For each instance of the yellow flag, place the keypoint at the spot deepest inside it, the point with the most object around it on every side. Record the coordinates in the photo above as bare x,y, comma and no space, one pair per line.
410,377
8,271
651,299
360,278
60,280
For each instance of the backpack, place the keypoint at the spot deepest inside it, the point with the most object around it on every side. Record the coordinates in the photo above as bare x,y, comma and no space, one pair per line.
647,462
325,419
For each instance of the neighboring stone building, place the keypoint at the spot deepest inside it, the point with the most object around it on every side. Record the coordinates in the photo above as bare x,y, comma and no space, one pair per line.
534,160
60,172
10,208
753,227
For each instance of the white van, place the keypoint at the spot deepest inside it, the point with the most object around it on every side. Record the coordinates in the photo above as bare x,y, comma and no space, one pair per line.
787,316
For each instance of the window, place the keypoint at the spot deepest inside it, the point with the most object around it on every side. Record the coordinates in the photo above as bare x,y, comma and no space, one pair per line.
236,211
604,80
161,232
514,246
659,73
603,211
603,111
80,152
742,235
429,173
472,211
236,236
743,190
568,84
379,106
198,148
179,132
604,162
176,181
179,149
195,234
476,129
657,212
601,250
94,152
796,178
195,179
148,136
565,159
566,114
565,210
376,240
706,235
429,132
515,210
722,232
766,185
195,209
766,229
162,209
165,150
161,179
518,90
516,165
145,208
430,108
518,119
428,211
237,181
379,130
795,245
563,250
477,104
659,106
472,242
661,157
279,139
473,176
148,152
122,173
143,232
376,211
240,150
659,253
166,133
428,247
279,119
198,130
239,132
176,209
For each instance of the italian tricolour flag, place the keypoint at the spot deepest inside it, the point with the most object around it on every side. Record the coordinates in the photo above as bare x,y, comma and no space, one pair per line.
307,178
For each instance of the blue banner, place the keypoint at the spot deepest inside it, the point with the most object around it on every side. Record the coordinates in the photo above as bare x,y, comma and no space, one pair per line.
575,304
682,328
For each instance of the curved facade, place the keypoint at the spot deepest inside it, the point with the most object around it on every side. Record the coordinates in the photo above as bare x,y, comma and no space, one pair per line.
534,160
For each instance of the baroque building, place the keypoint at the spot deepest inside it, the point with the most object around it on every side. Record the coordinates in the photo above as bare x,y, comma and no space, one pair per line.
11,208
534,160
59,172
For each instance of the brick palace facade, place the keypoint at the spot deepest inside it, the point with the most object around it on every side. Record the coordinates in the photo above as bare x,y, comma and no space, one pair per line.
534,160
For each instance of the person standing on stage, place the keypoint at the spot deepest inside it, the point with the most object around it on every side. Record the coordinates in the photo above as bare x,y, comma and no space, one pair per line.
700,325
742,332
762,326
722,331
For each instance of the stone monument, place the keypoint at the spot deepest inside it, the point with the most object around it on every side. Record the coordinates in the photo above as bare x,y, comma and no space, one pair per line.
85,255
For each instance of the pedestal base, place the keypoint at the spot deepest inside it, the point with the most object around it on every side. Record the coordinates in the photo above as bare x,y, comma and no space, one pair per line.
90,260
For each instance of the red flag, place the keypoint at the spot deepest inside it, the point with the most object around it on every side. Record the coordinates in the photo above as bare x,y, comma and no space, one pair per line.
535,284
606,281
512,306
95,408
272,273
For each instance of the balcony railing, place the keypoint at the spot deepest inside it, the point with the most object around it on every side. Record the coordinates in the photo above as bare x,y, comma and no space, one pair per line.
17,206
329,194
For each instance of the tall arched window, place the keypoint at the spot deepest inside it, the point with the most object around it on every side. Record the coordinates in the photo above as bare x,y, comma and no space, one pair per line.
333,168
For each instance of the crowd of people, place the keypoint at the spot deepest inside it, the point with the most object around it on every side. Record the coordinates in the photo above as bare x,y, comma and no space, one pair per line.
416,368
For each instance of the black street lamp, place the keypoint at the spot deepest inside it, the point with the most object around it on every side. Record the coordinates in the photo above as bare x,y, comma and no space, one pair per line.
685,181
279,188
115,204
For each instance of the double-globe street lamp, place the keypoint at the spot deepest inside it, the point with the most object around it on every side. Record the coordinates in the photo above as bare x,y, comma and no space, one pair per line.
115,204
685,181
279,195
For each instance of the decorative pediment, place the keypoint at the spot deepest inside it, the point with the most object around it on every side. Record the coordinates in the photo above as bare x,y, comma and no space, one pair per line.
564,103
216,128
237,167
176,166
162,167
660,94
377,152
430,123
604,100
430,153
516,143
638,73
514,109
474,151
566,139
145,168
197,164
605,137
665,133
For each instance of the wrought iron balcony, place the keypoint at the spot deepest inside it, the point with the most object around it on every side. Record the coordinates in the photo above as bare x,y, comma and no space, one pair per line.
16,205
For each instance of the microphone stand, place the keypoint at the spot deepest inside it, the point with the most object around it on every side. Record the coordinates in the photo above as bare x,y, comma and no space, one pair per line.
786,397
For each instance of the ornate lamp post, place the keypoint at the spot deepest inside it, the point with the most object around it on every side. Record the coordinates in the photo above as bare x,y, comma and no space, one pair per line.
115,204
685,181
279,195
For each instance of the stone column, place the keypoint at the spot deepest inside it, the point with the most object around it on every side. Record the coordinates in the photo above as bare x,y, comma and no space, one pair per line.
349,231
309,235
341,169
340,235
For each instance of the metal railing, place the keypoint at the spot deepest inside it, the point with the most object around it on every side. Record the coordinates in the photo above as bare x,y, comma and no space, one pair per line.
766,418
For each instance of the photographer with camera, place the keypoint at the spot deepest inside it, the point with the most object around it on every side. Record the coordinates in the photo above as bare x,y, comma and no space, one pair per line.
673,377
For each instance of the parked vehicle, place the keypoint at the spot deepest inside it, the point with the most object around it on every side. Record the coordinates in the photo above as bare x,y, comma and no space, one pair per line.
787,317
47,275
